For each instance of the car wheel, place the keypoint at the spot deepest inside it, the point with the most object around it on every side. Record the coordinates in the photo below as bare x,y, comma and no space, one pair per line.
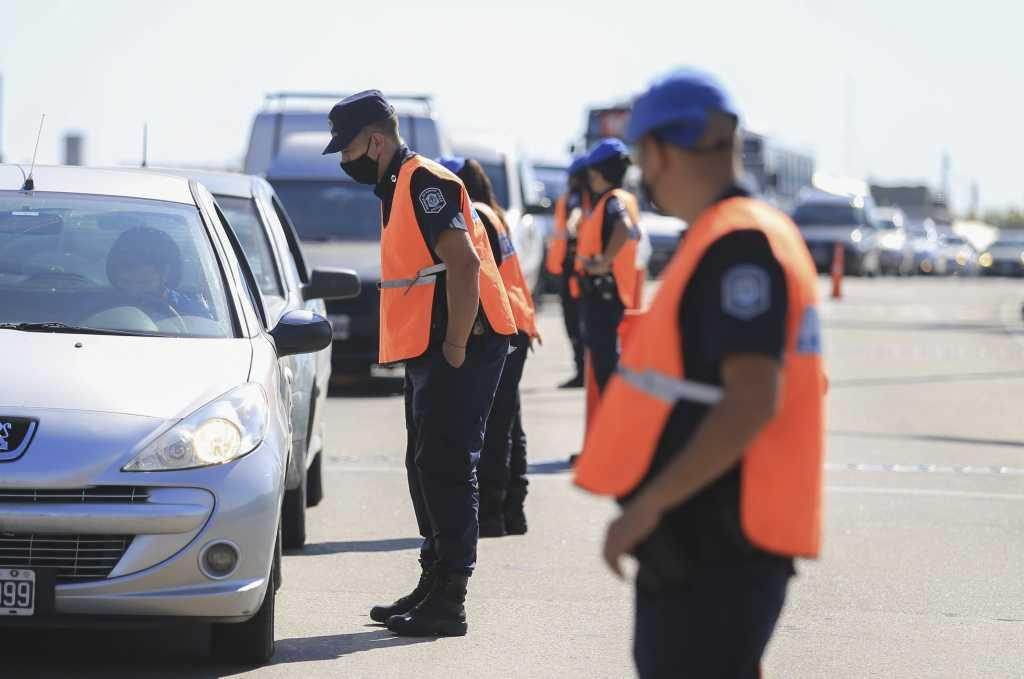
315,482
250,642
293,517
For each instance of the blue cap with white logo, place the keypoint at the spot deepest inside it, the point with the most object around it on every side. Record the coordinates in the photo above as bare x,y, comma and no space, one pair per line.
605,149
453,164
677,107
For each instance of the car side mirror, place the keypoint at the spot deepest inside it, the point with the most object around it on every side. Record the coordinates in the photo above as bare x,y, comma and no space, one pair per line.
301,332
332,284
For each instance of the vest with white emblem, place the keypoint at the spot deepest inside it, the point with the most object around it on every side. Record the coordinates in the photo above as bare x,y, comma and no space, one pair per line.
409,273
781,471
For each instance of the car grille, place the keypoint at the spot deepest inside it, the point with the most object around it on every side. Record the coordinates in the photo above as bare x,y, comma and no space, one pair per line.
96,494
76,558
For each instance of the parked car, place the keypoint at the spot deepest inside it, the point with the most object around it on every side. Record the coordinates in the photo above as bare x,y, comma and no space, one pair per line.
929,257
516,190
827,219
665,234
961,257
147,419
897,256
1004,257
271,246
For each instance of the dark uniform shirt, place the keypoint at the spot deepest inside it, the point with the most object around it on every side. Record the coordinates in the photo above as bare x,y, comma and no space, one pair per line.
437,204
734,303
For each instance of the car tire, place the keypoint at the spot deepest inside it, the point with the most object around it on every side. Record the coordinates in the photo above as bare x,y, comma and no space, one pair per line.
250,642
315,481
293,517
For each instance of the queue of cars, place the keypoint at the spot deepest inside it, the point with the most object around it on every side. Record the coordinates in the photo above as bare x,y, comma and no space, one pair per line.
159,432
880,240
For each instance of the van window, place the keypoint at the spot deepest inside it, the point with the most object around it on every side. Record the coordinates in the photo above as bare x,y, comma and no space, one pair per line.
330,210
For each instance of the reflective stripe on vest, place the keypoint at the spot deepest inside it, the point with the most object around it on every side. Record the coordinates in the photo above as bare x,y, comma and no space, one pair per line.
519,297
559,243
781,470
628,278
409,271
423,277
669,389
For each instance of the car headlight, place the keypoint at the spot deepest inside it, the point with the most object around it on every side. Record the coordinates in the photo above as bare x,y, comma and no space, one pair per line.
985,259
856,236
961,258
223,430
1022,258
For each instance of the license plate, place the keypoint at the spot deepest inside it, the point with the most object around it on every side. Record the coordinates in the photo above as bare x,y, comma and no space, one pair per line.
17,591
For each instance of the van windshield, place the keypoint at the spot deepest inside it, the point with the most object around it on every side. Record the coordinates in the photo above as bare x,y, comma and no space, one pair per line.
331,210
829,214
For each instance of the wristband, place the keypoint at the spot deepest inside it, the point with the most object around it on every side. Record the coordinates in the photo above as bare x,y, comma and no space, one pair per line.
453,344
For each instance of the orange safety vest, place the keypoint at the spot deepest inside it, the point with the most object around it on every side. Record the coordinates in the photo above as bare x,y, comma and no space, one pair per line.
781,474
628,278
518,290
409,274
558,245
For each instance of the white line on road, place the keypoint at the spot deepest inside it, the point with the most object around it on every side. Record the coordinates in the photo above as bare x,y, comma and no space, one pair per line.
927,469
875,490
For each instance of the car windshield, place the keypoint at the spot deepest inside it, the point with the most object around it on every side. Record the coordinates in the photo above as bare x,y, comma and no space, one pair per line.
1009,243
121,265
499,181
886,223
245,221
331,210
829,214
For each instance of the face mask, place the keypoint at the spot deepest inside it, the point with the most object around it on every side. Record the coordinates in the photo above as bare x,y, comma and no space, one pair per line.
362,169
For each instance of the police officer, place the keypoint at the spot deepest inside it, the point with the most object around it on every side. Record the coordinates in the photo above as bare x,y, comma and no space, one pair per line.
606,256
711,431
445,314
570,208
503,482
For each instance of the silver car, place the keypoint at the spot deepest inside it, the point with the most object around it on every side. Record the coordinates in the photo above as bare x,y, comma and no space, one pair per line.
145,425
271,246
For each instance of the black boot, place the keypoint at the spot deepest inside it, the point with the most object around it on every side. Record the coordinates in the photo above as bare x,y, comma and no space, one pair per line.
515,516
441,614
409,601
492,511
573,383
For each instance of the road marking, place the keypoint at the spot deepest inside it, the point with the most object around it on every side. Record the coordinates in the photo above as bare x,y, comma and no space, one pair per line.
874,490
927,469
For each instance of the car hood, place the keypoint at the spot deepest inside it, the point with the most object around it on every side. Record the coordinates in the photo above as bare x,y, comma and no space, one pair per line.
361,256
157,377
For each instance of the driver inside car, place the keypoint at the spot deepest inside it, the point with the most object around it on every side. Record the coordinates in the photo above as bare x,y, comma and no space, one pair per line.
146,264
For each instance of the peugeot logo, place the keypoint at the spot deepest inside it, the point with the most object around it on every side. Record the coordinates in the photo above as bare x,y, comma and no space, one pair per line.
15,435
5,433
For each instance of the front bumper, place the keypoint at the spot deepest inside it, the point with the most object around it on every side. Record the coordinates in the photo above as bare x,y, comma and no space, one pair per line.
159,575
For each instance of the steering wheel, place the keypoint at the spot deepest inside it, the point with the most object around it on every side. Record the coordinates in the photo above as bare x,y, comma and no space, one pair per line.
145,305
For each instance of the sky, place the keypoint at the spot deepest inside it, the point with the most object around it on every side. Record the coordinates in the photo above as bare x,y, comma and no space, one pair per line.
877,89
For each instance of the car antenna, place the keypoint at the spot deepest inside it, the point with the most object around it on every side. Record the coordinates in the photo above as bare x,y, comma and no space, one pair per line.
30,183
145,144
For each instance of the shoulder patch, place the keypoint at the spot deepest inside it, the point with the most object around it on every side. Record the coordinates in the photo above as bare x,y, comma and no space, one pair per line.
746,291
808,341
432,200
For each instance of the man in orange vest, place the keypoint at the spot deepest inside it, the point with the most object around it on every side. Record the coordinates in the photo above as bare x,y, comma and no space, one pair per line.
444,312
711,432
570,208
606,256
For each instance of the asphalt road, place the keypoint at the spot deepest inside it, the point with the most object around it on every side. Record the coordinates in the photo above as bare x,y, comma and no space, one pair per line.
920,576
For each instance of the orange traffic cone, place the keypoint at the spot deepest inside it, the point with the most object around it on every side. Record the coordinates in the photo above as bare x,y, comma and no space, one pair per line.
837,271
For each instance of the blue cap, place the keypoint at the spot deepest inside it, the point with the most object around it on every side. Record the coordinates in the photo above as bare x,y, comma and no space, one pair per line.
350,115
453,164
677,106
578,164
605,149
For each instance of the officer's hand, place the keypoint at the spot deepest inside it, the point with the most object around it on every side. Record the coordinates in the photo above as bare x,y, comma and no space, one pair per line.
538,339
597,266
455,355
637,521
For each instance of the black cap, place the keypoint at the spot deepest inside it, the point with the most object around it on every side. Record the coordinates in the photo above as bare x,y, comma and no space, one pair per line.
350,115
